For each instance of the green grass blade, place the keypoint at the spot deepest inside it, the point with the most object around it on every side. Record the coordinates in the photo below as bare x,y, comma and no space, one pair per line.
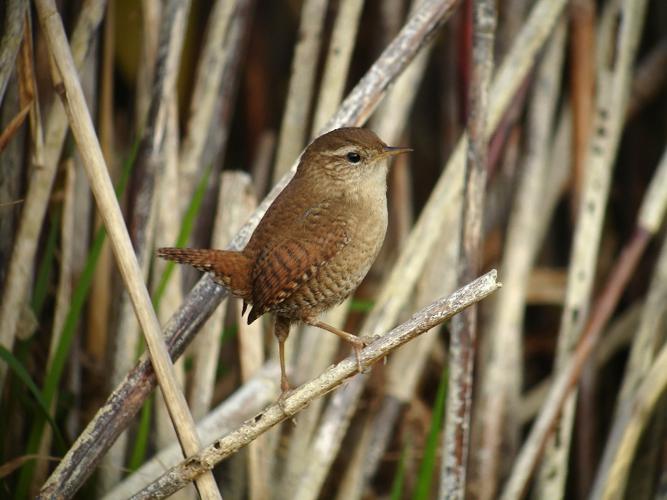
23,375
184,234
399,479
45,268
79,296
141,439
427,466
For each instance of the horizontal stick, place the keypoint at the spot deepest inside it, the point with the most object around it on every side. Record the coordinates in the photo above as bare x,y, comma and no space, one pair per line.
424,320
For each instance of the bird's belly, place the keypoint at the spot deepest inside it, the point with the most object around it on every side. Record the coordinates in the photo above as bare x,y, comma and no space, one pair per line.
337,279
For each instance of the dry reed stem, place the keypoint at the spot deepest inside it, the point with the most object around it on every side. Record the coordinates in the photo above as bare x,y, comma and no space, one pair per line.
404,368
618,336
251,356
458,409
84,133
235,203
206,295
39,187
300,397
631,422
151,12
97,331
205,94
142,219
338,60
316,353
293,128
406,270
167,206
245,402
503,378
566,378
613,87
19,274
389,122
650,78
351,483
63,296
582,85
13,127
12,34
649,336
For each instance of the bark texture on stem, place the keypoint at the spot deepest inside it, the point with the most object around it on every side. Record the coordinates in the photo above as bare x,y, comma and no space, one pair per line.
458,412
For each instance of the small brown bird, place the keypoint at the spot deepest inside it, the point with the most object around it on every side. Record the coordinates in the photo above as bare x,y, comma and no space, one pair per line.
317,240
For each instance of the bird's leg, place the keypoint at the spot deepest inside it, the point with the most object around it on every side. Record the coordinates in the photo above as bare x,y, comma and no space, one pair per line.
357,343
281,331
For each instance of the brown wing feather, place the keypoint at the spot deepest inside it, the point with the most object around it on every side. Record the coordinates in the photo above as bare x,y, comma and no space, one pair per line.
284,267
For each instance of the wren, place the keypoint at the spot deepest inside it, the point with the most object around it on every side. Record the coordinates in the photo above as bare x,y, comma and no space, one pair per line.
316,241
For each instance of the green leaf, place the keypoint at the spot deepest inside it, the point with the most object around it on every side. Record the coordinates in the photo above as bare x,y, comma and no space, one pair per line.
362,306
427,466
138,454
78,300
399,479
184,233
45,269
23,375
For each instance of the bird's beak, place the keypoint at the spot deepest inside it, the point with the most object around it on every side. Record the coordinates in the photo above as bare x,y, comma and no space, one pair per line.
393,151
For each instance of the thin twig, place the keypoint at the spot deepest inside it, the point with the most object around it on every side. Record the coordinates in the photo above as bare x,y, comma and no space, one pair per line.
298,399
89,147
100,294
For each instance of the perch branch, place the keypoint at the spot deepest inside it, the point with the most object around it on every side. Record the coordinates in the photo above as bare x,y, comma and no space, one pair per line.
422,321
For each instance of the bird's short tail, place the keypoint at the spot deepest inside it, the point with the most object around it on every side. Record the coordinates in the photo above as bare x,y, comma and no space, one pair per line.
229,268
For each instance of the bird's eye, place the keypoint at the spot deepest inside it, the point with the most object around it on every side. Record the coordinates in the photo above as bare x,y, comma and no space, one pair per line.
353,157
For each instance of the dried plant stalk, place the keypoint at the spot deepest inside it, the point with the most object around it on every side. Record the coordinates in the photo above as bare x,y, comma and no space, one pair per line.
11,40
37,197
648,338
235,204
297,109
91,153
166,233
149,166
245,402
458,412
127,398
205,94
420,322
613,87
503,378
17,282
338,61
62,305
